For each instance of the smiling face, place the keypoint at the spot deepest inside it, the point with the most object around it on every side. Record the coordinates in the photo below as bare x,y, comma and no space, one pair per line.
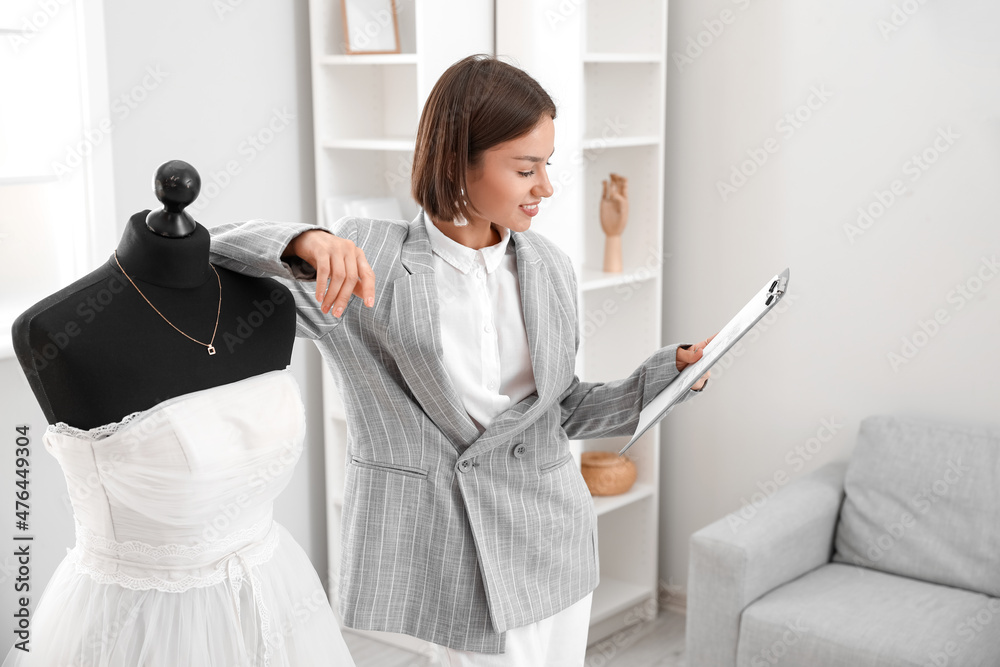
506,184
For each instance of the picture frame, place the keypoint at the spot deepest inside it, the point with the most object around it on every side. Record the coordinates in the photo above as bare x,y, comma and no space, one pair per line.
370,27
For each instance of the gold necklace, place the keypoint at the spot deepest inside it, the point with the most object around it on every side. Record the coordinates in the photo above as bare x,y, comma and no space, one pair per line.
209,344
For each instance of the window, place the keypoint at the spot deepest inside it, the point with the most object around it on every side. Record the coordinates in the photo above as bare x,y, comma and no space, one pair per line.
55,162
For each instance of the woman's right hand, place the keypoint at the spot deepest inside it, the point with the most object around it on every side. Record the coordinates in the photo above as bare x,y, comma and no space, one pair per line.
341,269
688,354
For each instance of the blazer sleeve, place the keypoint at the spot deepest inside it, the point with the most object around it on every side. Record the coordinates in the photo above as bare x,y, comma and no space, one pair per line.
607,409
254,248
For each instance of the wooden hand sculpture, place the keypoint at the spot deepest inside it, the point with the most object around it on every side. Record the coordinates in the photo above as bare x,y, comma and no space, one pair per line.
614,216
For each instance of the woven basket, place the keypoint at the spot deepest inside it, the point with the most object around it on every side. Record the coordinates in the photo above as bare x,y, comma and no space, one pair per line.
606,473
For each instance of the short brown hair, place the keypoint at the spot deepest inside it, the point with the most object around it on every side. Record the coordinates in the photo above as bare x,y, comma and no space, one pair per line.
477,103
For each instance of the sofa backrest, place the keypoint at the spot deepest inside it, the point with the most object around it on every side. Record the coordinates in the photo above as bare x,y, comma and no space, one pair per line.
923,501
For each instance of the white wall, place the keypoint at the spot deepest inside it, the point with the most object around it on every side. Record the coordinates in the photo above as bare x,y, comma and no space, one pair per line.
855,293
187,82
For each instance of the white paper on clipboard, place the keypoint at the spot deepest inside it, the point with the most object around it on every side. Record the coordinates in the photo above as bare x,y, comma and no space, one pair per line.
756,308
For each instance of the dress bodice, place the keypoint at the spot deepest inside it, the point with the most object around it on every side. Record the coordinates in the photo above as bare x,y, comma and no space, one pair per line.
178,560
179,495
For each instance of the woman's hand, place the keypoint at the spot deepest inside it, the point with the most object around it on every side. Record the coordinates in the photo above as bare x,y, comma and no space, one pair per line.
688,354
341,269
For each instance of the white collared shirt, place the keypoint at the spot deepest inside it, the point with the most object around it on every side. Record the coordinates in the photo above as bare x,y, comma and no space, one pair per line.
482,325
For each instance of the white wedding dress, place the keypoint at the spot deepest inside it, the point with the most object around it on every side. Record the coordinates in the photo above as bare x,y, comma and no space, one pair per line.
178,561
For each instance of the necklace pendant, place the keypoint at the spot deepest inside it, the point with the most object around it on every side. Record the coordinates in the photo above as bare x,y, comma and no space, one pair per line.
211,350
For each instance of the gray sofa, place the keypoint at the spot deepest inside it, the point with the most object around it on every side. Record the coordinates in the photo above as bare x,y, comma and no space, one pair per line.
891,559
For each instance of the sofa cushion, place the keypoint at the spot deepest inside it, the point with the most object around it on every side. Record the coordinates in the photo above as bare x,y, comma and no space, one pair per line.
923,501
846,616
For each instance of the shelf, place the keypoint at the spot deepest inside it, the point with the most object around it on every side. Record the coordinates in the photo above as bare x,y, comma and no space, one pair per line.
373,59
613,596
591,279
605,504
622,58
404,145
600,143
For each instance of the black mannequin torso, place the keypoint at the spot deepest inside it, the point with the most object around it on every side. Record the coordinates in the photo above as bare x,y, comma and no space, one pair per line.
95,351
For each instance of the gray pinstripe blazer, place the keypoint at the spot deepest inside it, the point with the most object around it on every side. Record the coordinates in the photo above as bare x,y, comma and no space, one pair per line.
451,535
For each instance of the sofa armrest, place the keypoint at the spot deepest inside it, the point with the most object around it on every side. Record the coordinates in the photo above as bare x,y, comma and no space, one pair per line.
734,561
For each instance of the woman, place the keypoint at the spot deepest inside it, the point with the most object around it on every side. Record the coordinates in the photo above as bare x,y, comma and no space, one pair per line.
465,522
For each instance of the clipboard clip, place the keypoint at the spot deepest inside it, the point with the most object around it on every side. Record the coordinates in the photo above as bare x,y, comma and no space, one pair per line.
777,288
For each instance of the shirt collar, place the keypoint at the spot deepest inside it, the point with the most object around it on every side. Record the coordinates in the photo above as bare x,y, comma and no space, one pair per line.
462,257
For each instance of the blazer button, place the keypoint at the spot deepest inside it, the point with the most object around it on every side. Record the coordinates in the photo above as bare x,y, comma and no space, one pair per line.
520,450
464,466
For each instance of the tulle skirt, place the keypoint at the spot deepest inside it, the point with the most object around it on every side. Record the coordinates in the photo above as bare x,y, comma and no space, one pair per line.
282,620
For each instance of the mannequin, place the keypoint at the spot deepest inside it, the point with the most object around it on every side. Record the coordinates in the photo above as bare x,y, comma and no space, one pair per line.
96,351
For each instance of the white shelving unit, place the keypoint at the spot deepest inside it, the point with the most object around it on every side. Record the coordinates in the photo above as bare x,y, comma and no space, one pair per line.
366,109
604,63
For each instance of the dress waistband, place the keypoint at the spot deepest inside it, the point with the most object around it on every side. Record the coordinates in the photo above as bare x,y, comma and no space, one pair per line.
175,568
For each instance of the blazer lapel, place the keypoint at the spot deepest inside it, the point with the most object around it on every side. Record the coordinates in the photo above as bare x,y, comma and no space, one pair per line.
415,340
551,343
551,333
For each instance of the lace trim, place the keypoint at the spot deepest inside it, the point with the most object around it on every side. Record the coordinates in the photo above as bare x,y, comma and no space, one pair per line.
235,566
96,433
90,541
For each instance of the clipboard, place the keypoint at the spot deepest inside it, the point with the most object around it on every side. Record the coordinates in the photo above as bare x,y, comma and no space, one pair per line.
762,302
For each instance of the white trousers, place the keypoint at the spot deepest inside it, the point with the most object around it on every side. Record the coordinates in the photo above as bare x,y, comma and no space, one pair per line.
557,641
